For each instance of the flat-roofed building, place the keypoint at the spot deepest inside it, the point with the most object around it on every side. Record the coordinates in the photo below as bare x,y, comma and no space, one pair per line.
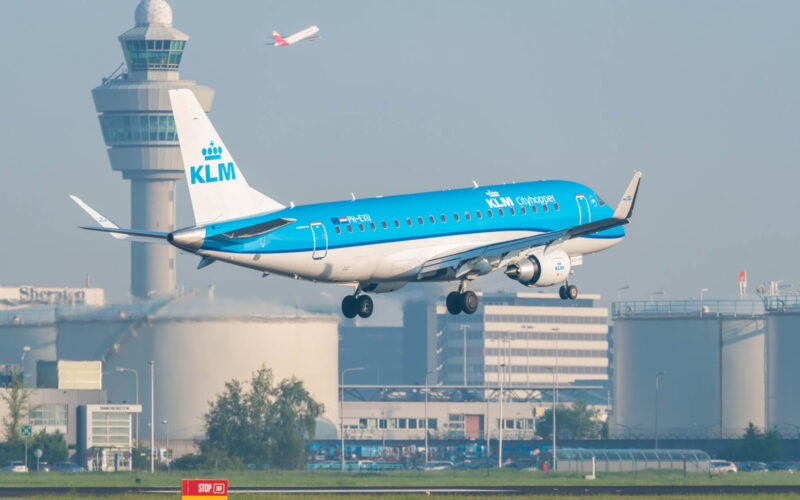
526,337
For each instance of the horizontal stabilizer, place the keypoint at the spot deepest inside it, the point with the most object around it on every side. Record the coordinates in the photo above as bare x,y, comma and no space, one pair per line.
114,230
129,232
100,219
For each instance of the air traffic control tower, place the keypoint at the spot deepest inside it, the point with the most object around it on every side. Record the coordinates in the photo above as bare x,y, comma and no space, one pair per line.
138,128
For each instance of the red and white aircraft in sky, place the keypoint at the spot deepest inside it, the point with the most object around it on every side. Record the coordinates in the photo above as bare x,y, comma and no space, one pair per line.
309,33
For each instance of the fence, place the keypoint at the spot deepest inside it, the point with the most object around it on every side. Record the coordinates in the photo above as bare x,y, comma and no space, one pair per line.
622,460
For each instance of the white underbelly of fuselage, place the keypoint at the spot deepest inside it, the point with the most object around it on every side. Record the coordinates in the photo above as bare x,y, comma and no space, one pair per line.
383,262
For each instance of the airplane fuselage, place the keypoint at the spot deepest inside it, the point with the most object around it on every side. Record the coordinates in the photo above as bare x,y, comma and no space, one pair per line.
385,240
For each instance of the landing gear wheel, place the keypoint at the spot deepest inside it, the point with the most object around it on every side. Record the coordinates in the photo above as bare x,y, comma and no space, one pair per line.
453,302
572,292
364,306
469,302
349,306
562,292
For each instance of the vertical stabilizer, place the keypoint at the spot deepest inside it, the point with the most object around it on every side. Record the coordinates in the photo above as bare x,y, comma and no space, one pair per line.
278,39
217,187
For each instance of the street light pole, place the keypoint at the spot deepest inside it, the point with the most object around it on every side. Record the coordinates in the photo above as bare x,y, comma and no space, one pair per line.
341,407
464,329
427,390
658,376
500,441
555,398
136,374
383,442
620,290
167,454
152,418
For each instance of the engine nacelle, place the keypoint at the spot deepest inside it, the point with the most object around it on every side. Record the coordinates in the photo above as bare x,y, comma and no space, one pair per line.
541,271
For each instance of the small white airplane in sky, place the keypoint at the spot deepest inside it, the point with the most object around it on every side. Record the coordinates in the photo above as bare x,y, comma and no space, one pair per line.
309,34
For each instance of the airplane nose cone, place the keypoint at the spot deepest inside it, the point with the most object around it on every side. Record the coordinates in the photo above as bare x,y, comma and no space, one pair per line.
188,239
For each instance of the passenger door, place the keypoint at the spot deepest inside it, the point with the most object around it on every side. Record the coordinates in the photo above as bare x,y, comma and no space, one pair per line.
584,212
320,237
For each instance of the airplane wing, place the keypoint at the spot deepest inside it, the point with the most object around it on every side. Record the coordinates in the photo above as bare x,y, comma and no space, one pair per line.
109,227
485,258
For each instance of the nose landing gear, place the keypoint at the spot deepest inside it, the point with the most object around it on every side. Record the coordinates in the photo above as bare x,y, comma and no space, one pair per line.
568,292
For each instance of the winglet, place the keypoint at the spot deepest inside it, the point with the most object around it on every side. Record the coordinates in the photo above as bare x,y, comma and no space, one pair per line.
103,221
625,208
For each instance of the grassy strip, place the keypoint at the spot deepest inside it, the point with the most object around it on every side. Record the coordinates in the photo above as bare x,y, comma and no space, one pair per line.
505,477
418,496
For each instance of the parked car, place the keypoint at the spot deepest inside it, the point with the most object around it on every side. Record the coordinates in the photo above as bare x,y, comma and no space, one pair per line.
438,465
14,466
722,466
778,466
41,467
752,467
67,467
475,464
522,464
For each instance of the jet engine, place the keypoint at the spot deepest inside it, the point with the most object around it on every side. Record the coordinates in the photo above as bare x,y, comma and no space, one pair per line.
538,270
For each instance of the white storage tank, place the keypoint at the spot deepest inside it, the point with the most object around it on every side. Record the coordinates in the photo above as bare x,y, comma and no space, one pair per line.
743,374
29,333
783,373
197,346
713,359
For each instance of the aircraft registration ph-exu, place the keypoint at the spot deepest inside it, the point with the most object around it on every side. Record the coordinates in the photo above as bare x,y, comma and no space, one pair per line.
535,232
309,33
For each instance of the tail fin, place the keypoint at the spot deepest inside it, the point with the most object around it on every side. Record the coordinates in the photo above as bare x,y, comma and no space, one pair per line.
217,187
278,39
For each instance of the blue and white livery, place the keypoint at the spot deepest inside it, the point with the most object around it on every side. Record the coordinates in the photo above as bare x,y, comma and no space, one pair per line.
535,232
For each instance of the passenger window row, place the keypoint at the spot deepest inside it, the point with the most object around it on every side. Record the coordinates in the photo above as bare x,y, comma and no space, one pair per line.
456,217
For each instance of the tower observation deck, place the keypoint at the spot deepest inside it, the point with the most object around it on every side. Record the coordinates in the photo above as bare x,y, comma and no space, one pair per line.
139,130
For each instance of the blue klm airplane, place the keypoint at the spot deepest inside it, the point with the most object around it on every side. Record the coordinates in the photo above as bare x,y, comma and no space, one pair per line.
536,232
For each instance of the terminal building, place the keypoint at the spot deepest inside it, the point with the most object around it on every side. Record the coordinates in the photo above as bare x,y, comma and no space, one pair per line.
524,345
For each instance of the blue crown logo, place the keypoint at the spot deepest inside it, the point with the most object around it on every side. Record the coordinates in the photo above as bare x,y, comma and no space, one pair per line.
212,152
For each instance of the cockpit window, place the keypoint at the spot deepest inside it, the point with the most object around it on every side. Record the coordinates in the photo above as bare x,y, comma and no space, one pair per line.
601,201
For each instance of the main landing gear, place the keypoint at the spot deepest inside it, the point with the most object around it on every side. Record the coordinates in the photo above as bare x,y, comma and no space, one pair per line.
567,292
462,301
357,305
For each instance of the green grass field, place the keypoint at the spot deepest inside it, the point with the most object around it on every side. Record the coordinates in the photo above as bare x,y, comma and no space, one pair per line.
419,496
505,477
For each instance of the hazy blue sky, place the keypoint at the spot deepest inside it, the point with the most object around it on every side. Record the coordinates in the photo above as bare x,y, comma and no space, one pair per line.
410,96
